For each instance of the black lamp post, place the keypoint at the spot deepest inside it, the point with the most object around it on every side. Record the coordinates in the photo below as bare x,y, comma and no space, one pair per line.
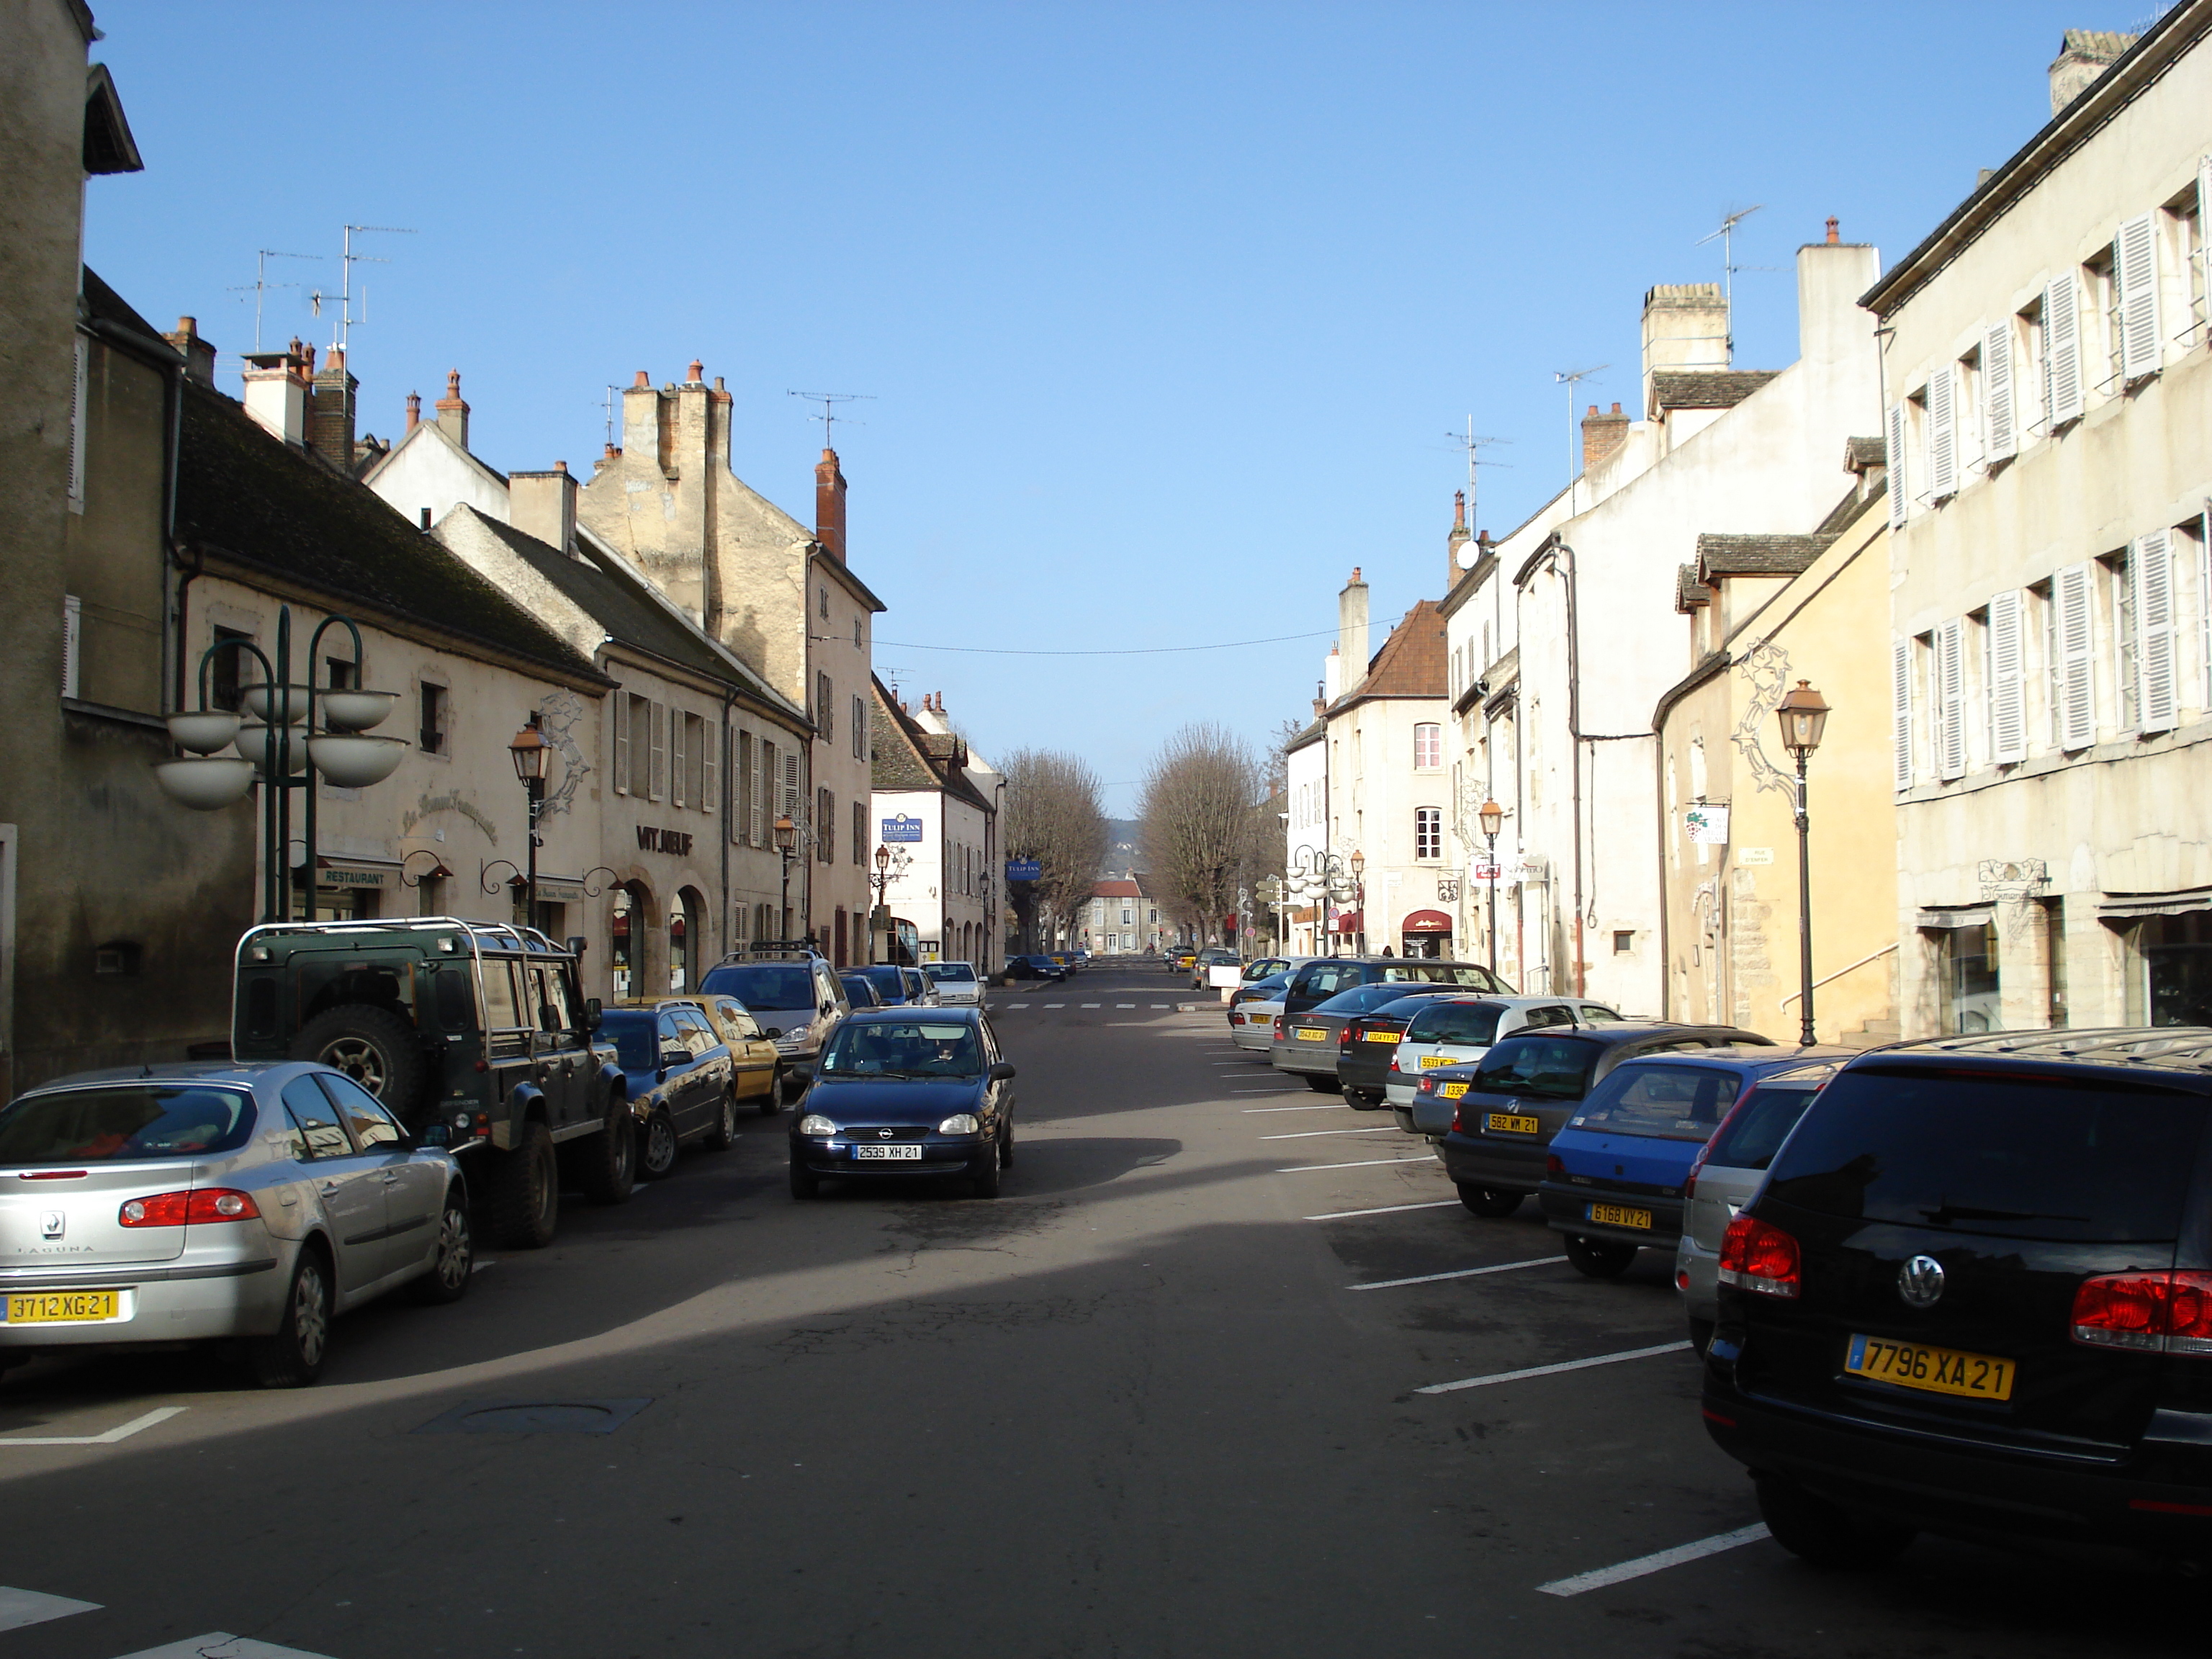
529,751
1359,895
787,836
1492,816
882,905
1804,716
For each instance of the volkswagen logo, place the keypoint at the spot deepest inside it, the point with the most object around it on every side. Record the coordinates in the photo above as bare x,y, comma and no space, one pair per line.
1920,1282
52,1222
885,1134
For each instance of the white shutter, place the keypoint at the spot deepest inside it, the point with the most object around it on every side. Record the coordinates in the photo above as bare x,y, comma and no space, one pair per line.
79,396
1950,701
2076,694
1943,432
1897,495
2007,693
72,646
710,766
620,702
2000,435
679,725
657,749
2134,260
2061,351
792,809
1900,686
2204,601
2150,568
2202,251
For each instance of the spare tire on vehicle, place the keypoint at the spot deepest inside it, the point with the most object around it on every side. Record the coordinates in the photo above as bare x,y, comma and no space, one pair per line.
374,1047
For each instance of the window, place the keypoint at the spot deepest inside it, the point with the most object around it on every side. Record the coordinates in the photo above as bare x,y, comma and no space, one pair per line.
314,1120
433,696
822,602
1624,941
825,844
2116,576
1428,748
2192,261
1428,832
859,729
825,706
2100,350
373,1126
1967,982
860,833
1127,915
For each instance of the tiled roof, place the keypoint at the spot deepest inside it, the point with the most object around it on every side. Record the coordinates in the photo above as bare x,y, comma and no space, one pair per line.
1689,592
899,753
1705,388
1411,663
1312,734
1116,889
1757,555
1860,454
104,303
1846,512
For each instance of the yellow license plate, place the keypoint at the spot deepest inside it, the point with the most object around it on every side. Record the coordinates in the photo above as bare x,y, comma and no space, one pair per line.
1430,1062
1378,1036
1507,1123
1614,1215
1937,1371
1312,1034
64,1307
1452,1091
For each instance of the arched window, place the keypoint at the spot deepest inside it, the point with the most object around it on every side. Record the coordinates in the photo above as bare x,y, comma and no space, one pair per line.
1428,747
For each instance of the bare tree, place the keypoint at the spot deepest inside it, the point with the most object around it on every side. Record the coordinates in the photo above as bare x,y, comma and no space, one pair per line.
1202,815
1053,815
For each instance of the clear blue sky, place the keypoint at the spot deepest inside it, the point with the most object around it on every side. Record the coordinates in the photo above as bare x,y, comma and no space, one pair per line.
1166,308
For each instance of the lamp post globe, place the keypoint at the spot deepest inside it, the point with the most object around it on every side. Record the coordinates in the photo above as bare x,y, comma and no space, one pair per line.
1804,716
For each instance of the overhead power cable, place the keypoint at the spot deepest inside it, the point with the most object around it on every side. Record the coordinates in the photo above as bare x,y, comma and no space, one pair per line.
1125,651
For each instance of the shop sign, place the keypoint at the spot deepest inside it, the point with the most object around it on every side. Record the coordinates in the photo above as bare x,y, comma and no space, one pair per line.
1708,825
555,892
650,840
903,828
1024,870
337,875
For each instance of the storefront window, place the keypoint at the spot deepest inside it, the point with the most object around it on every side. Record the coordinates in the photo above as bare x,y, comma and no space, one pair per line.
679,944
620,946
1969,979
2054,950
2176,967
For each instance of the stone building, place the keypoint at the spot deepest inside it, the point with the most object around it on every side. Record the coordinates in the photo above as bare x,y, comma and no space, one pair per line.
430,469
942,833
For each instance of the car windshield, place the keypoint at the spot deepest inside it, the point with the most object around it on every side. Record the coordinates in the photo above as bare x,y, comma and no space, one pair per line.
1470,1024
957,971
903,1049
636,1049
763,984
1755,1132
2016,1155
124,1121
1660,1102
1547,1068
888,981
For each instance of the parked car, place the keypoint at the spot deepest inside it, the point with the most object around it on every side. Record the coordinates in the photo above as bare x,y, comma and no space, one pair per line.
1617,1177
1214,956
908,1091
1268,967
957,984
860,991
1252,1010
794,995
480,1027
896,988
1179,958
1035,967
756,1067
1325,976
218,1200
680,1075
1458,1032
1974,1297
1310,1044
1506,1109
1728,1172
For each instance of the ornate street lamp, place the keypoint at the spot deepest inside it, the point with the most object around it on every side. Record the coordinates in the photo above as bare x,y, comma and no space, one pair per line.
882,905
529,751
1804,716
1491,817
786,837
1359,895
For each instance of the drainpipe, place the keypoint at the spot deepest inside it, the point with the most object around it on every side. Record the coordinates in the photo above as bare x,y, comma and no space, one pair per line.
1574,743
729,813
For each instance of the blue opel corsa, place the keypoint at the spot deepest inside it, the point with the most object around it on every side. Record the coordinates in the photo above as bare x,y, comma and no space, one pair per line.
906,1091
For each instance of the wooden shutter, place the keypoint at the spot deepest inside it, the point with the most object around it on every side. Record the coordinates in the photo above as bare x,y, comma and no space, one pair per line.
657,748
72,646
2135,269
792,808
620,704
2150,568
1950,701
1999,436
2078,699
710,766
1943,432
1897,496
2061,351
829,709
1901,690
765,808
860,731
2008,694
679,725
79,397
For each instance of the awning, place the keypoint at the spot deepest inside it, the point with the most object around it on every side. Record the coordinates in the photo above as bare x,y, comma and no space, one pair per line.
1347,921
1426,921
2120,907
1938,917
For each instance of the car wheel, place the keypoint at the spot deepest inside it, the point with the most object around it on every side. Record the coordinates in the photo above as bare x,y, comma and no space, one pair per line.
1595,1259
607,1164
1364,1100
374,1047
1491,1203
1006,1145
724,1134
804,1183
659,1156
772,1102
524,1190
1321,1085
1824,1534
1701,1335
291,1356
448,1278
983,1173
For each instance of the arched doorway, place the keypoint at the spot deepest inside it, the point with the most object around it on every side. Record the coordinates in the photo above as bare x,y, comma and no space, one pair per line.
629,930
684,940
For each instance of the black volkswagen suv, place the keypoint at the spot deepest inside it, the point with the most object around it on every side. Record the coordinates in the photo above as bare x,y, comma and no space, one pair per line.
1975,1297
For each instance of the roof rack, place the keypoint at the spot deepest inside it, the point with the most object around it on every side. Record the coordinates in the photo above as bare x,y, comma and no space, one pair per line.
487,935
2161,1045
773,950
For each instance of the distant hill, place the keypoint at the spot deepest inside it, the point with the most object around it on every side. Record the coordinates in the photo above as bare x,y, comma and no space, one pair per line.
1121,848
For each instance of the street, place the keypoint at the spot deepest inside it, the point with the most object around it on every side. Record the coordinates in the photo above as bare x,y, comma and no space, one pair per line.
1161,1397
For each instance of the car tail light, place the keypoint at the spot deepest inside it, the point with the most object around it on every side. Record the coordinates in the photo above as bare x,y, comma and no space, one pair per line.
1394,1061
2162,1312
1344,1037
1759,1257
1427,1084
1554,1164
1279,1026
198,1207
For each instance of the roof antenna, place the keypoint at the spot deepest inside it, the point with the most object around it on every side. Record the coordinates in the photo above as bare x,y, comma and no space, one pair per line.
348,260
1728,267
261,285
829,400
1472,445
1567,378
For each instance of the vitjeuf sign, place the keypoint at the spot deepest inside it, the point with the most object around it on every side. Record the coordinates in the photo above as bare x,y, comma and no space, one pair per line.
650,840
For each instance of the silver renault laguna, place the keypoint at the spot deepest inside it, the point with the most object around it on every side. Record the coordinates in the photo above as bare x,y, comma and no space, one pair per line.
213,1200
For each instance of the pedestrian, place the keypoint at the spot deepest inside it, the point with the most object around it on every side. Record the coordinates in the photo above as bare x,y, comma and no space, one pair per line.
1386,950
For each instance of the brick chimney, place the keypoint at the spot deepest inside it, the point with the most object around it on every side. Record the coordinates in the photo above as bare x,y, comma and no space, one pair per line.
331,428
198,354
1602,435
453,413
413,410
2084,55
1456,564
544,505
829,506
276,391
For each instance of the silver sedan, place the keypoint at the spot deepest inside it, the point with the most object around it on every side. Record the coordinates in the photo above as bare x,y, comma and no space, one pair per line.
212,1200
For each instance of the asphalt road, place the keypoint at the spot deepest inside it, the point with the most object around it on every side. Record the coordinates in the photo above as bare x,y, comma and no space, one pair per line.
1136,1406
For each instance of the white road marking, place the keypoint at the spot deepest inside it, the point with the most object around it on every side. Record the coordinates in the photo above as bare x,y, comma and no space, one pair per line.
1386,1209
1553,1370
221,1645
1658,1563
1118,1005
159,1414
1308,1135
1249,1110
1459,1273
1049,1004
1162,1004
1087,1005
1364,1164
19,1607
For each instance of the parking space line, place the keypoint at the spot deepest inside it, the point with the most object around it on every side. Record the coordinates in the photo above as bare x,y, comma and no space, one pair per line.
1385,1209
1659,1562
1460,1272
1247,1110
19,1607
221,1645
1553,1370
1364,1164
159,1414
1308,1135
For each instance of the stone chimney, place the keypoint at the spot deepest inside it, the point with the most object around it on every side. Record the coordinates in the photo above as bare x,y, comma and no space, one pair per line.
1602,435
1685,326
277,384
198,354
332,431
1352,631
2084,55
829,506
544,505
413,410
453,413
1456,564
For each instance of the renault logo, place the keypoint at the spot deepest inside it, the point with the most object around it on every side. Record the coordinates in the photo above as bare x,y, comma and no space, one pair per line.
52,1223
1920,1282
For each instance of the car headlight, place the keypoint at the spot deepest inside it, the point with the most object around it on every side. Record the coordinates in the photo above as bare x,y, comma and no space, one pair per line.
960,1123
815,1124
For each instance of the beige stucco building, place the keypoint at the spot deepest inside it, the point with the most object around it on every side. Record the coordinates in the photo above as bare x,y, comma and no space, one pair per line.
2050,437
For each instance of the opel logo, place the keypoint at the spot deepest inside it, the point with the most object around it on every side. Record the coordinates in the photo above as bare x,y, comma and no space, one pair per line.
52,1222
887,1134
1920,1282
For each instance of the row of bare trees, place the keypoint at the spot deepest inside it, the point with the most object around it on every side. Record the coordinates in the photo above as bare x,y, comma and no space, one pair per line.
1209,825
1053,815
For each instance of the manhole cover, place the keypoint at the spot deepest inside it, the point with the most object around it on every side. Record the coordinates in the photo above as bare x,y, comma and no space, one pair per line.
536,1416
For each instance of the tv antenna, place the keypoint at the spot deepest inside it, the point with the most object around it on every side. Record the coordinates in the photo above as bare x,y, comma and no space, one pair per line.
348,260
261,285
1473,445
829,400
1569,378
1726,236
610,402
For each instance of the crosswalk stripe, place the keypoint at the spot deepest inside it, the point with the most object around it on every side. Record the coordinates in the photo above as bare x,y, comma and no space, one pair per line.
19,1607
221,1645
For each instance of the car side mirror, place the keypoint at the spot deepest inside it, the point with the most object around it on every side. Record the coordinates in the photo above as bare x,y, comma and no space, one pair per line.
804,1072
435,1135
771,1032
592,1013
1002,1073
